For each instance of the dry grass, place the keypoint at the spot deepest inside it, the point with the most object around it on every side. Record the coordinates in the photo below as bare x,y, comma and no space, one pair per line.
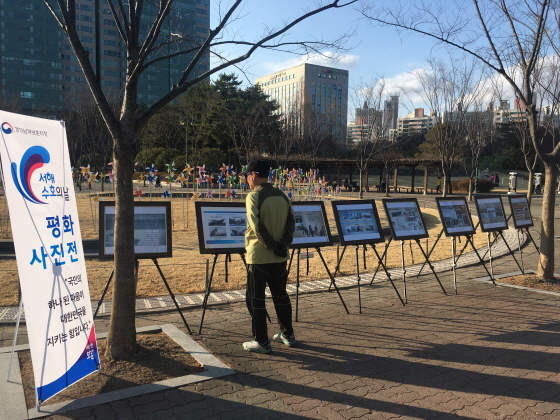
186,270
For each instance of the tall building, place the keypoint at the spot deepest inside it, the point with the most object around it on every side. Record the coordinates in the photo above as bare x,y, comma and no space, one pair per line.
367,125
310,92
390,114
40,74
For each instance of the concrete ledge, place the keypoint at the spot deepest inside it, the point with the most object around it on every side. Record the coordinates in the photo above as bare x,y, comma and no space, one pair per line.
13,391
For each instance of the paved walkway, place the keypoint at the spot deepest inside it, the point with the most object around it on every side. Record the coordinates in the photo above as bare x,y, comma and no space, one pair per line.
489,352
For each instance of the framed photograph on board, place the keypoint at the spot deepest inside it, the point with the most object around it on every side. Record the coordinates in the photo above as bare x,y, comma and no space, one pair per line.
312,228
357,222
221,227
520,211
491,213
405,218
455,216
152,229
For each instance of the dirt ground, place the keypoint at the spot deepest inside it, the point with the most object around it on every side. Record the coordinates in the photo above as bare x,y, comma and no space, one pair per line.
158,358
530,281
186,270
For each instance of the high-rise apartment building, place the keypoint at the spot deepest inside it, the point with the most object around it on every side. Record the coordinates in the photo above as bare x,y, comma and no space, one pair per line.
367,125
414,123
39,73
311,92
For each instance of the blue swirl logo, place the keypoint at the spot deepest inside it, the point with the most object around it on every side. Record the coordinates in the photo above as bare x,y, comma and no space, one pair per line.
34,158
7,128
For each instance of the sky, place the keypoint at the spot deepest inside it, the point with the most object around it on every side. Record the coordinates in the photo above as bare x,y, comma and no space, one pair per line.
375,51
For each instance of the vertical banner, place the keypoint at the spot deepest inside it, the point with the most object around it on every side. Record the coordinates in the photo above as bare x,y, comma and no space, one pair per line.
50,259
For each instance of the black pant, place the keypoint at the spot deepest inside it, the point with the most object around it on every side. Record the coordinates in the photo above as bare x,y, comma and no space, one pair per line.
276,276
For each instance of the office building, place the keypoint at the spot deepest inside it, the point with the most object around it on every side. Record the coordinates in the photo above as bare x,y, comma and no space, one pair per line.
390,114
40,74
310,94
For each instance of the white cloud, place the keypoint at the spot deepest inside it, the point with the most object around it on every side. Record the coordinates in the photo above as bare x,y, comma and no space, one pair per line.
347,61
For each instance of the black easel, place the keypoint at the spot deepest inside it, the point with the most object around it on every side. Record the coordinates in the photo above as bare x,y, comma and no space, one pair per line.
331,277
380,263
499,234
136,265
209,283
426,261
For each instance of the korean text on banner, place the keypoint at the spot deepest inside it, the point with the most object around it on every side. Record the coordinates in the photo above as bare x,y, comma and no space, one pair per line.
50,259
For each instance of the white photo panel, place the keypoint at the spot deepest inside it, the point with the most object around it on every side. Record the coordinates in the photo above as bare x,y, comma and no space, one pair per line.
405,219
312,229
357,222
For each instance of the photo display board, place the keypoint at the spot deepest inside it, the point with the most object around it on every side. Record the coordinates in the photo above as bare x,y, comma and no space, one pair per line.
520,210
455,216
152,229
405,218
221,227
491,213
357,222
312,228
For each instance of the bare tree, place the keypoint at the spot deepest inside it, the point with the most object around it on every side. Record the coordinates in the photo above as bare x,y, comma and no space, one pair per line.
511,39
370,124
446,89
143,50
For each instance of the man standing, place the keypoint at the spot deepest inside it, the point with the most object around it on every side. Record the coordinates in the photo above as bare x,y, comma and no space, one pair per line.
270,231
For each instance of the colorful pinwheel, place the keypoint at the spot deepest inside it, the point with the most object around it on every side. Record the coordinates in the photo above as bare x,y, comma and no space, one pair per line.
170,167
188,169
165,194
195,196
138,193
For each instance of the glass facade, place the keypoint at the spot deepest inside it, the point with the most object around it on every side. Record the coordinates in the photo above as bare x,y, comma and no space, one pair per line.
40,74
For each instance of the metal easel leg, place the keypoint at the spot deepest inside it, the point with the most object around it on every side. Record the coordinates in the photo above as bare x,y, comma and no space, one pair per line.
380,260
430,265
333,281
207,292
104,291
172,295
453,251
403,272
358,274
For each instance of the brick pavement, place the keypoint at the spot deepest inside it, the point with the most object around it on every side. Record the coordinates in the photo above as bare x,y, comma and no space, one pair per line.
487,353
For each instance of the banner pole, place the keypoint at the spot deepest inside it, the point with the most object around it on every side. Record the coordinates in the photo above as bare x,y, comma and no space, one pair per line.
14,340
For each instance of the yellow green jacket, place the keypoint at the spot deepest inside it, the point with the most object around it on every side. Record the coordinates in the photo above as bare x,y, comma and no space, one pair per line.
276,215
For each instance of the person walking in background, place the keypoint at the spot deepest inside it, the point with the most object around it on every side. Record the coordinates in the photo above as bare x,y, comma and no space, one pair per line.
270,230
438,184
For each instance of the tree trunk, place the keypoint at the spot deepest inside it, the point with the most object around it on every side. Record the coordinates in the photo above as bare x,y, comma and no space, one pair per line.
445,181
121,341
470,195
545,269
530,185
361,192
